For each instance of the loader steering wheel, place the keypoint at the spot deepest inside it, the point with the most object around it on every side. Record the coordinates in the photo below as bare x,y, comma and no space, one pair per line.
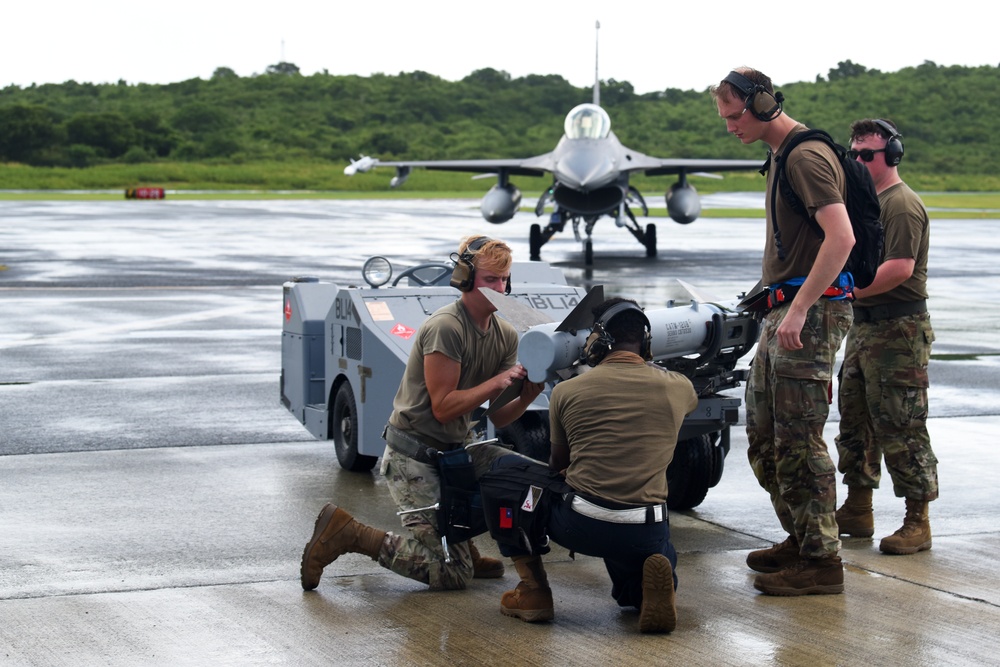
426,275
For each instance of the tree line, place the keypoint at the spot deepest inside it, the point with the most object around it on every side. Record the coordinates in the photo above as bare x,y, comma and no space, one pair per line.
282,115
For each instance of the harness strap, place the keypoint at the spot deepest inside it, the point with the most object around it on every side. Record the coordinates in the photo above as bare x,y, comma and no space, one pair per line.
782,293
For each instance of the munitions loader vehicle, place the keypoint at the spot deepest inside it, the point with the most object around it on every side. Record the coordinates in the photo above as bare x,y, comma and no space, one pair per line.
344,348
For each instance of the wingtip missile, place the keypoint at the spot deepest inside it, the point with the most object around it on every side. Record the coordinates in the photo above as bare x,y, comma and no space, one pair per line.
362,164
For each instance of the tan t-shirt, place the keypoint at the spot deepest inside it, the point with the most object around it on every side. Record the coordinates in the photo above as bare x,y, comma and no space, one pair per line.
907,236
620,421
816,176
482,354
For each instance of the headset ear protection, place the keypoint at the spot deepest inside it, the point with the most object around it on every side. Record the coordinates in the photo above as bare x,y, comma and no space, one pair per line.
599,343
763,105
894,146
463,276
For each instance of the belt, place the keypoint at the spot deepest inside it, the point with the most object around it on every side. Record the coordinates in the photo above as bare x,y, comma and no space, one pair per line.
409,446
779,295
650,514
889,311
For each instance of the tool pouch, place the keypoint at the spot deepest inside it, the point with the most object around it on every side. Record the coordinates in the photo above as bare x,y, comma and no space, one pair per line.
517,498
460,516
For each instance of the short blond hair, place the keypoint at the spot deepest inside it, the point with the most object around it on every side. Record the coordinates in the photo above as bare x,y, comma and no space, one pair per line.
492,255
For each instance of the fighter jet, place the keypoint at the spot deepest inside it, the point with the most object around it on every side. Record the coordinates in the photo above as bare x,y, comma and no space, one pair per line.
590,171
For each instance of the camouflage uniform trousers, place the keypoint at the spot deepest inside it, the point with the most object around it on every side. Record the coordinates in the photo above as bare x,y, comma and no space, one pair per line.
788,401
421,556
883,407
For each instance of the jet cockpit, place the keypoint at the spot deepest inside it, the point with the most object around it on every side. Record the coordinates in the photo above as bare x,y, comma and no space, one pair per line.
587,121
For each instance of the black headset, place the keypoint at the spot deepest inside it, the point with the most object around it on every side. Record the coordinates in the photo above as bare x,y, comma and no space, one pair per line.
894,146
600,342
762,104
463,276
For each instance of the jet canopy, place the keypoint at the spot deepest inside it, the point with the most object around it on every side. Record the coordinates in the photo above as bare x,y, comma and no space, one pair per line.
587,121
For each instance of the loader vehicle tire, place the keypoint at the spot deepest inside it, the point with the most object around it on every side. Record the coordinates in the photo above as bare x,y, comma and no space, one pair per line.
344,431
529,435
696,467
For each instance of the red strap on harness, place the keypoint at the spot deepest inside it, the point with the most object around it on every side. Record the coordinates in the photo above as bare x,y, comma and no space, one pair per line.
783,294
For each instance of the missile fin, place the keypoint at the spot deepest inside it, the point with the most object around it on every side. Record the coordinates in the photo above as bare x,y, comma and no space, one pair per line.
521,316
582,317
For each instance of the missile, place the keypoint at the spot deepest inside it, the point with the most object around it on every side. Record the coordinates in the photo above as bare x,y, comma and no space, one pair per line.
677,331
699,328
362,164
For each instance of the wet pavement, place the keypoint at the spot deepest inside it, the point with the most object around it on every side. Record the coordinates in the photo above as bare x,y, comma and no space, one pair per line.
155,496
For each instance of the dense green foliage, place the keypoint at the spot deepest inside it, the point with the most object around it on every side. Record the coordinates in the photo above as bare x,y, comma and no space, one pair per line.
282,117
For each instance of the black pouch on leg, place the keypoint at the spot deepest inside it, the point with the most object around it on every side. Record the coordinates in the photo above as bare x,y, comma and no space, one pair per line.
460,515
517,496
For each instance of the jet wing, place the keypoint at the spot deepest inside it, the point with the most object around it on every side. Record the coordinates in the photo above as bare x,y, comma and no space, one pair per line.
538,165
654,166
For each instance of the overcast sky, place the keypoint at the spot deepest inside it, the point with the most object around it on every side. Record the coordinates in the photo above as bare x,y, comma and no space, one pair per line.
653,45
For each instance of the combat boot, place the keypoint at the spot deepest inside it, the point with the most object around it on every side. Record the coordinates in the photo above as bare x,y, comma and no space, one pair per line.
809,576
531,600
658,612
855,518
914,536
776,558
484,567
336,533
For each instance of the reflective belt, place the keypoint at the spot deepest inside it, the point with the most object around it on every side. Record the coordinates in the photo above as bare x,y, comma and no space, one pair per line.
650,514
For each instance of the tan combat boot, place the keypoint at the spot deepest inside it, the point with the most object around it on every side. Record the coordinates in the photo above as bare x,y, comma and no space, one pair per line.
484,567
809,576
658,612
336,533
914,536
776,558
855,518
531,600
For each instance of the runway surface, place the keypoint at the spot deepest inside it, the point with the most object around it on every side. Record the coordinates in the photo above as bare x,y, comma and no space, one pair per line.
156,496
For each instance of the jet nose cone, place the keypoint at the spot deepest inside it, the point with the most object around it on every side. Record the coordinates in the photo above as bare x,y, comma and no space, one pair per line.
586,169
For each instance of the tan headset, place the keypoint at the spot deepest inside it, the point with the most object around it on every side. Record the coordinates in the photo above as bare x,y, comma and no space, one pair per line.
463,276
762,104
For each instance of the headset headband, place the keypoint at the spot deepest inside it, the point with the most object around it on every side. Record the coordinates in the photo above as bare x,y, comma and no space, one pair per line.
887,126
616,309
475,244
741,83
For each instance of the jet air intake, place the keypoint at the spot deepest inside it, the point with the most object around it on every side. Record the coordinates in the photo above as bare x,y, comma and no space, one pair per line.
593,202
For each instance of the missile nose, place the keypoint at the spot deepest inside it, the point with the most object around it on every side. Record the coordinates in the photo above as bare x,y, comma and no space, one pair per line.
537,353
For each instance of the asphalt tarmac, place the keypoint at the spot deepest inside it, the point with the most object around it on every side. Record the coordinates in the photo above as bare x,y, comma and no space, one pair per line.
155,496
